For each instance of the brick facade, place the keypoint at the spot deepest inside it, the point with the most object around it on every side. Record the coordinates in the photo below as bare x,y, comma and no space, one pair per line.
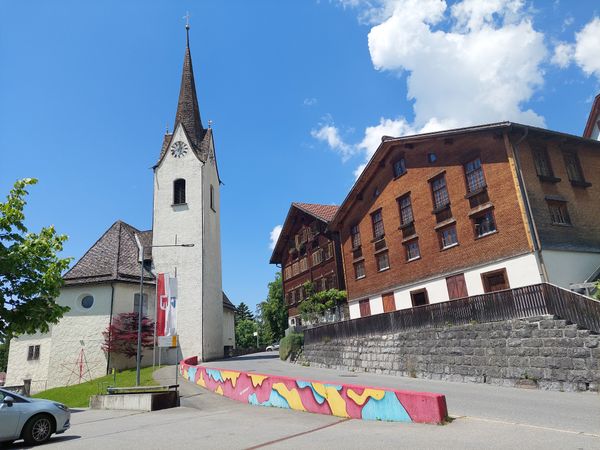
308,252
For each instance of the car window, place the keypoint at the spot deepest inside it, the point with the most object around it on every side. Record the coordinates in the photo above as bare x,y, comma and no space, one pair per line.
1,396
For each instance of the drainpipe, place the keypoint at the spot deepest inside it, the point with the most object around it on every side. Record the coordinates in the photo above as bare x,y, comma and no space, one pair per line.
112,301
530,220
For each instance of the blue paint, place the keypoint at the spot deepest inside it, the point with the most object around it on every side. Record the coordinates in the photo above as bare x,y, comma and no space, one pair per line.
388,408
215,375
318,397
335,386
275,399
192,373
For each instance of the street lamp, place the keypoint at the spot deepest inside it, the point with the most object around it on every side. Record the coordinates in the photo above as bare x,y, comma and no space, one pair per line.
141,248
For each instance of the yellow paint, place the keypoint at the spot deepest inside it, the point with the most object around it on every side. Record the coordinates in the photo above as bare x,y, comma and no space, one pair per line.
201,381
233,376
291,395
377,394
219,390
333,397
257,380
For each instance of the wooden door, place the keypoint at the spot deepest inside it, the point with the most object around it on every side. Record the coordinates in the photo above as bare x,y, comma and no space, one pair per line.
457,287
389,304
495,281
365,308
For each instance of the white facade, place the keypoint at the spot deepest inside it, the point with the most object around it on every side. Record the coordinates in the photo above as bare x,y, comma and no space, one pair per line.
198,268
72,350
521,271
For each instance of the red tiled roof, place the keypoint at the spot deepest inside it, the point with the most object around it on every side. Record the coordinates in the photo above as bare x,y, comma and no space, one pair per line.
323,212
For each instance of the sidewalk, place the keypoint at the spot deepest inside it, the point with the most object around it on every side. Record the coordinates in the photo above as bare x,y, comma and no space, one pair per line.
566,411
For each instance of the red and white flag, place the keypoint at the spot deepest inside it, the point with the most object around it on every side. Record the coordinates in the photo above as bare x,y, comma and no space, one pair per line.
166,305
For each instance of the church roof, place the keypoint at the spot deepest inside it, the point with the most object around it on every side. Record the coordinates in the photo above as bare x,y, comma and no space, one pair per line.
114,257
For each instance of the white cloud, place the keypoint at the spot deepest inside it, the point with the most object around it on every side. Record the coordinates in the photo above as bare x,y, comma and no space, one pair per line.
476,62
274,235
563,54
330,134
583,52
310,101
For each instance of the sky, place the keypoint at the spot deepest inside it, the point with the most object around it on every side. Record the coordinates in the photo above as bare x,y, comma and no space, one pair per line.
299,93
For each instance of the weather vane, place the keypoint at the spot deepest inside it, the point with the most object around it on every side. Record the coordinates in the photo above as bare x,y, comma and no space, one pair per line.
210,123
187,20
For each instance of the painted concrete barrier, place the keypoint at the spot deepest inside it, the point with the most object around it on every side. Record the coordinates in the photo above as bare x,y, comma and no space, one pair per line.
342,400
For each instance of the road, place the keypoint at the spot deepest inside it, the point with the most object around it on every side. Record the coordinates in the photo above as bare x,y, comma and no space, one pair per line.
485,417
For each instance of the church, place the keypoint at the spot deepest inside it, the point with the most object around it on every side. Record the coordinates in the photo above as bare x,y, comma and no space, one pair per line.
184,243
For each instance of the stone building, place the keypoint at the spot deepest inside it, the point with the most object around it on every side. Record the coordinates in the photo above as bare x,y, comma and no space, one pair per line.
456,213
308,251
106,280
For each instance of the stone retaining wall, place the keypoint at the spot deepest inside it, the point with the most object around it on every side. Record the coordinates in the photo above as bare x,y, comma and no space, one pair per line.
543,352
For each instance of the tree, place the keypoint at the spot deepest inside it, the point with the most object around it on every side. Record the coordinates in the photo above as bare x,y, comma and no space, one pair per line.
242,312
4,346
273,313
30,270
121,336
244,333
317,303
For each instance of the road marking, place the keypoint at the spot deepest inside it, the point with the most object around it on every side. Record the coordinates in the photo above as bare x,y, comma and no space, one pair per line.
538,427
276,441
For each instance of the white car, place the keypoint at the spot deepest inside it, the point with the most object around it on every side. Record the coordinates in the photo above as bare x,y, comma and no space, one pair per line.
272,347
31,419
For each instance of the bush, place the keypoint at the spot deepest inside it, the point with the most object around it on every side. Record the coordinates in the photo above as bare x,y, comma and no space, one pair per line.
290,345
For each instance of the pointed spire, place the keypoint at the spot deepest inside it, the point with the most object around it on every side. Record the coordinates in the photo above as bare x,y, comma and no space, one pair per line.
188,112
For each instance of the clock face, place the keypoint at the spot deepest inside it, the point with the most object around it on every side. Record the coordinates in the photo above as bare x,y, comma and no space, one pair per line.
179,149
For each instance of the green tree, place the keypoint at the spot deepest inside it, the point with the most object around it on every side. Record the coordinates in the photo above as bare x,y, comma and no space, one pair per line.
316,304
244,333
4,355
30,270
272,313
242,312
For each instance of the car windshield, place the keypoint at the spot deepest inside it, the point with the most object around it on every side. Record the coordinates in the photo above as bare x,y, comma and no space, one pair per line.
17,397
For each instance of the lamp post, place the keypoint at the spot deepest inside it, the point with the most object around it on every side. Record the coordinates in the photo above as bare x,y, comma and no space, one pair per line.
141,249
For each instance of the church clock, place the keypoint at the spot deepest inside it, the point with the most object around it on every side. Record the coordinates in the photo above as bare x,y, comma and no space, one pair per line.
179,149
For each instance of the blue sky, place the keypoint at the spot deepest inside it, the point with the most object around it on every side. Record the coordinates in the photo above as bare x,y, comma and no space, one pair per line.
299,93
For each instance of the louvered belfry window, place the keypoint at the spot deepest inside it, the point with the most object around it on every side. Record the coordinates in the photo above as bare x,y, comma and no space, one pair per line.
179,191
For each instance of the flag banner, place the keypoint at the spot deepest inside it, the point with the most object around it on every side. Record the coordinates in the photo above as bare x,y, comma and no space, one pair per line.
162,302
171,313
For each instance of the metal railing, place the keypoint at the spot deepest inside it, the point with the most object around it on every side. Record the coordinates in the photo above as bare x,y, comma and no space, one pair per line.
528,301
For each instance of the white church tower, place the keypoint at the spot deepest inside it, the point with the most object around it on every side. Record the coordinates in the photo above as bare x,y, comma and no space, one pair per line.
186,211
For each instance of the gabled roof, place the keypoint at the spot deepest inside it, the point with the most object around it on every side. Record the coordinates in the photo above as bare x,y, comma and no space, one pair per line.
324,213
593,118
387,143
227,303
114,257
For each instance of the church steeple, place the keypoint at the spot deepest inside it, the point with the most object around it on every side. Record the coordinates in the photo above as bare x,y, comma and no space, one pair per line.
188,112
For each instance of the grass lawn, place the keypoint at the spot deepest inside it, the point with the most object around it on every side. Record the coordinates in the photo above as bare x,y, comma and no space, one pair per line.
78,395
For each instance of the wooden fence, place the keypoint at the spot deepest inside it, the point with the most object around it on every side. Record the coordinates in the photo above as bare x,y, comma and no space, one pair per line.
528,301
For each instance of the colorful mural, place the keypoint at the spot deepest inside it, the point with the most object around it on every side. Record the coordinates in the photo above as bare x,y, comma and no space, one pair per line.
342,400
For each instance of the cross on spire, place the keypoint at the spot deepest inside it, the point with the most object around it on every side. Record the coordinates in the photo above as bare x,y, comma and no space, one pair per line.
187,28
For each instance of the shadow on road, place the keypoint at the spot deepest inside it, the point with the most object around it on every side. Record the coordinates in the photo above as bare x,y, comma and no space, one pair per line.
254,356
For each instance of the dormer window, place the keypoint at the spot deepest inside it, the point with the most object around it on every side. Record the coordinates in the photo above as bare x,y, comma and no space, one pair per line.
179,192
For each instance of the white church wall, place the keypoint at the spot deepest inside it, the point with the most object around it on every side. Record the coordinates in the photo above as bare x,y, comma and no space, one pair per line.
213,289
181,224
20,368
77,338
228,327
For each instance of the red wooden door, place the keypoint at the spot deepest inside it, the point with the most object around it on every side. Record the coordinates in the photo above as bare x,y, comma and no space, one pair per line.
365,308
457,287
389,304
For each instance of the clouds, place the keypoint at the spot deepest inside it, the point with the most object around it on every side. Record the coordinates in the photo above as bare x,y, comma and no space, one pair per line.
475,62
583,52
274,236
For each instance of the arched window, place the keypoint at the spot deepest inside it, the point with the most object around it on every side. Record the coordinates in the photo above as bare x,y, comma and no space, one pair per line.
179,191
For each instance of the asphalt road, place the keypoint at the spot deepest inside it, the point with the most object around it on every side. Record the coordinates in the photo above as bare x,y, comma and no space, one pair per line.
486,417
